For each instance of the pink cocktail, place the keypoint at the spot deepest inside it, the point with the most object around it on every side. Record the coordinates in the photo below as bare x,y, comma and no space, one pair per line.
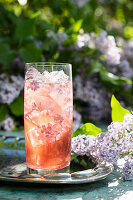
48,108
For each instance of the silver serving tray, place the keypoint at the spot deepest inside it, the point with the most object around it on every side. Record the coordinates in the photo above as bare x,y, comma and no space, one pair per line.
13,168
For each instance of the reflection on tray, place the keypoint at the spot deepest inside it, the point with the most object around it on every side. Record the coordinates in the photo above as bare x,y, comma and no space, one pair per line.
13,168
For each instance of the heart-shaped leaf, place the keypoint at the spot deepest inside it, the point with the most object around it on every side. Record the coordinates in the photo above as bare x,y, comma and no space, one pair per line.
87,129
118,112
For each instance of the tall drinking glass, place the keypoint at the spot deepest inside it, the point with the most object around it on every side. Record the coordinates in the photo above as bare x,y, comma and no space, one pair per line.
48,114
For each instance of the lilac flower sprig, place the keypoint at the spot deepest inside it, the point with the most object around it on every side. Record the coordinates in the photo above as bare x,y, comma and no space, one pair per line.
109,147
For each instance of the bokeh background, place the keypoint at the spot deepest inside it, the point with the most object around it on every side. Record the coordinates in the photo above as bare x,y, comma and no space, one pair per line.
96,36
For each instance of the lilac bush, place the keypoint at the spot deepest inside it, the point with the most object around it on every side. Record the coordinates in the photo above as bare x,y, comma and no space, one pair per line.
92,92
89,34
116,54
10,89
118,60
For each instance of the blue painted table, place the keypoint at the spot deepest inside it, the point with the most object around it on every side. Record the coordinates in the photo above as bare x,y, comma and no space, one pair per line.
111,188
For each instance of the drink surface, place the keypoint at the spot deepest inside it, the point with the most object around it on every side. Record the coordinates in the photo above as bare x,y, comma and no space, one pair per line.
47,121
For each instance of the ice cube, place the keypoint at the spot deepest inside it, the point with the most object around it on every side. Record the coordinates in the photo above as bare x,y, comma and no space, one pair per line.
47,77
55,76
59,76
40,118
33,134
34,75
31,72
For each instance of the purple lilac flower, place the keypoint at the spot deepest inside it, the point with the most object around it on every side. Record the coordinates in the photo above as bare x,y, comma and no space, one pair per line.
95,147
118,141
108,150
80,3
94,94
120,41
125,68
82,40
10,88
83,145
61,37
128,168
17,63
128,50
128,120
110,147
108,47
38,44
7,124
77,118
51,34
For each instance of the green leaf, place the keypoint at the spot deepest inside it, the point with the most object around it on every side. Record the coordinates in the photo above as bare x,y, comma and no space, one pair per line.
36,14
112,80
81,163
70,41
95,67
128,32
17,107
87,129
118,112
6,55
73,156
75,27
3,112
30,53
25,28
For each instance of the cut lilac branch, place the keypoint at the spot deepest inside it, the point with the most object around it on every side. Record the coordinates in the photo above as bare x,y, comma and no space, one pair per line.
110,147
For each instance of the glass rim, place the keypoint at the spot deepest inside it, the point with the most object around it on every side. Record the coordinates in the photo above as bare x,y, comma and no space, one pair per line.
49,64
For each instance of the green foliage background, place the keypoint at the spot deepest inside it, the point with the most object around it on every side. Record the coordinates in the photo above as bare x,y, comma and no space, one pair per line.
21,27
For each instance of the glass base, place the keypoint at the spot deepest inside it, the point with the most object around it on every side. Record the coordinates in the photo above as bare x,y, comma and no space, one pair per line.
46,172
